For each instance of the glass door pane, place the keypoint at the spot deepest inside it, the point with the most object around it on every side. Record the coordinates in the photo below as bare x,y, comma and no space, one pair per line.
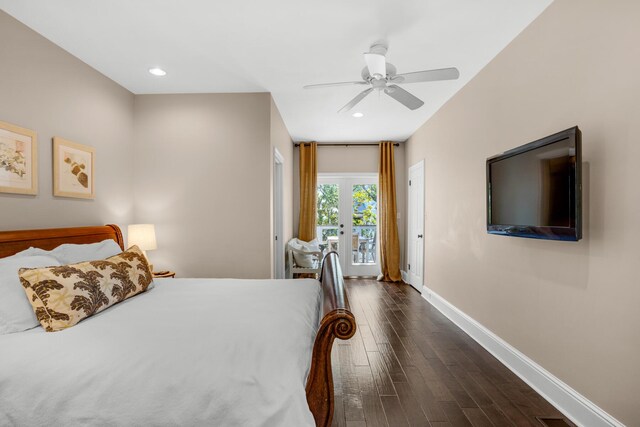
347,221
328,217
364,223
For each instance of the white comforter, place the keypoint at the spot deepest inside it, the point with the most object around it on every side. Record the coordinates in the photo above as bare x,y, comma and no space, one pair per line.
216,352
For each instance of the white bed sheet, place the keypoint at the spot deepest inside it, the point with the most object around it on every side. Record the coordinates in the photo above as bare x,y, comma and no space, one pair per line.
216,352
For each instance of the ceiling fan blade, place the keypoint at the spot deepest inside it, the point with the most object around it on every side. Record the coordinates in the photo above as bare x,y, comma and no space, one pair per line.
427,76
403,97
335,84
377,65
355,100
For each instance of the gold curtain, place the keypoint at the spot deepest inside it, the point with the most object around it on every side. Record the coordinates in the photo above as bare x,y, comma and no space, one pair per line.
308,196
388,225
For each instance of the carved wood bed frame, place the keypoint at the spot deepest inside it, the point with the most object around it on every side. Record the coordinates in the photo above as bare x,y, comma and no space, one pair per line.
336,321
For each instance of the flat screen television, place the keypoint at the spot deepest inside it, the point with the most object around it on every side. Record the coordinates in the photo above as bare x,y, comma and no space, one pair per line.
535,190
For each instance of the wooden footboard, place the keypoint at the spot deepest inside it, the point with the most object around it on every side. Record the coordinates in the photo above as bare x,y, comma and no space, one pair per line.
337,321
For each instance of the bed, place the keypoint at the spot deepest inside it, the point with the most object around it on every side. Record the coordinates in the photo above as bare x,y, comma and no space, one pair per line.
200,351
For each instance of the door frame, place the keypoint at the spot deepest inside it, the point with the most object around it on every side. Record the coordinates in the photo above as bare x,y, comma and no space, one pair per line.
345,208
416,280
278,215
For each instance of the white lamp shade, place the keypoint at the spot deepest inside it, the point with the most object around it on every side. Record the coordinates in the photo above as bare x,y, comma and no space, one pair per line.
142,235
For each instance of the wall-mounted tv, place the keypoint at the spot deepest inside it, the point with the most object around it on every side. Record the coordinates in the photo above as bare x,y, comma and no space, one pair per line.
536,191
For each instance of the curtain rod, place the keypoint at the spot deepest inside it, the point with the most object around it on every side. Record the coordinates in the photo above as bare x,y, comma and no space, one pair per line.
396,144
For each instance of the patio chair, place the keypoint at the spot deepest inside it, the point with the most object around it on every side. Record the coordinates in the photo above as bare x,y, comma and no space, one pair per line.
355,247
371,250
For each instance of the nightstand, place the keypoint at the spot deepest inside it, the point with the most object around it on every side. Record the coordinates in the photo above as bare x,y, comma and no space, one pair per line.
163,274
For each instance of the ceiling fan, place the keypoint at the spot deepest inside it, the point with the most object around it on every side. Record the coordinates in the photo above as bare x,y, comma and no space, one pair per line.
381,75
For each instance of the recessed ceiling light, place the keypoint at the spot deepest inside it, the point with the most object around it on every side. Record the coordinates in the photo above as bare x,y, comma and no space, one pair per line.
357,115
157,72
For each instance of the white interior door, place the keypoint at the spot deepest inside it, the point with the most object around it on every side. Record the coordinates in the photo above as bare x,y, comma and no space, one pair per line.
278,212
415,255
348,221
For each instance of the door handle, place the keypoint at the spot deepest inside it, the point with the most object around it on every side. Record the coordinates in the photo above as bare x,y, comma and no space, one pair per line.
341,225
419,236
342,232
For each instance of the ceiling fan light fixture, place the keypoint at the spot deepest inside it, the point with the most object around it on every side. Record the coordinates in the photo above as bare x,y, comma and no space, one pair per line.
377,65
357,115
158,72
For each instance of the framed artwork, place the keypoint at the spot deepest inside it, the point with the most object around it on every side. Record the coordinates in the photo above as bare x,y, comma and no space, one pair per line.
73,169
18,160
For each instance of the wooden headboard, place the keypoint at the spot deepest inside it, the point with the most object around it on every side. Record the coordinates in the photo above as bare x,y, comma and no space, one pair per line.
12,242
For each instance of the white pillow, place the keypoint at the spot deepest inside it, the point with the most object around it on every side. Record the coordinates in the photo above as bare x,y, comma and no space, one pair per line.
71,253
27,252
16,313
304,260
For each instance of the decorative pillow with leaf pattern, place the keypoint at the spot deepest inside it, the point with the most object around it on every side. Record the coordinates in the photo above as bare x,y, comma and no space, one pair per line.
64,295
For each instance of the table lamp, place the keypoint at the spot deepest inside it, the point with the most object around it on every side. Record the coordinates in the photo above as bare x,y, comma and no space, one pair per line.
143,236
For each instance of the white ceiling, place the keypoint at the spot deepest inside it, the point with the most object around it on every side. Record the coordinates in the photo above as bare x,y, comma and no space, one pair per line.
280,45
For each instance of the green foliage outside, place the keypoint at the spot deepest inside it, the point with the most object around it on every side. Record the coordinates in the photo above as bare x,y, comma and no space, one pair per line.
365,211
365,202
327,204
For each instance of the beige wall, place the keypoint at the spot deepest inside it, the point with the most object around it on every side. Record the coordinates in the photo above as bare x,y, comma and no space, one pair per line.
571,307
202,176
349,159
200,167
353,160
281,140
53,93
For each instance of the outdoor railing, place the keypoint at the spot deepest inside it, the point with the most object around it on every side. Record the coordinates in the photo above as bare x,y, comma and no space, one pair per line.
367,248
324,231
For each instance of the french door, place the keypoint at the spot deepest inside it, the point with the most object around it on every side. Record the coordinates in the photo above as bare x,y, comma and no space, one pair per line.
347,221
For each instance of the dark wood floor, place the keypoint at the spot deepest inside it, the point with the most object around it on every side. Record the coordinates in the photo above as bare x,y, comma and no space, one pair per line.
410,365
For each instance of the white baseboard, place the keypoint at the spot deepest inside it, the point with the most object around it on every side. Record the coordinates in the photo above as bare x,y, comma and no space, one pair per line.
578,408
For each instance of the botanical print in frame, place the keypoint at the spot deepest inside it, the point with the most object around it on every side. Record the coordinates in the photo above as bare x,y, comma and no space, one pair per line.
18,160
73,169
